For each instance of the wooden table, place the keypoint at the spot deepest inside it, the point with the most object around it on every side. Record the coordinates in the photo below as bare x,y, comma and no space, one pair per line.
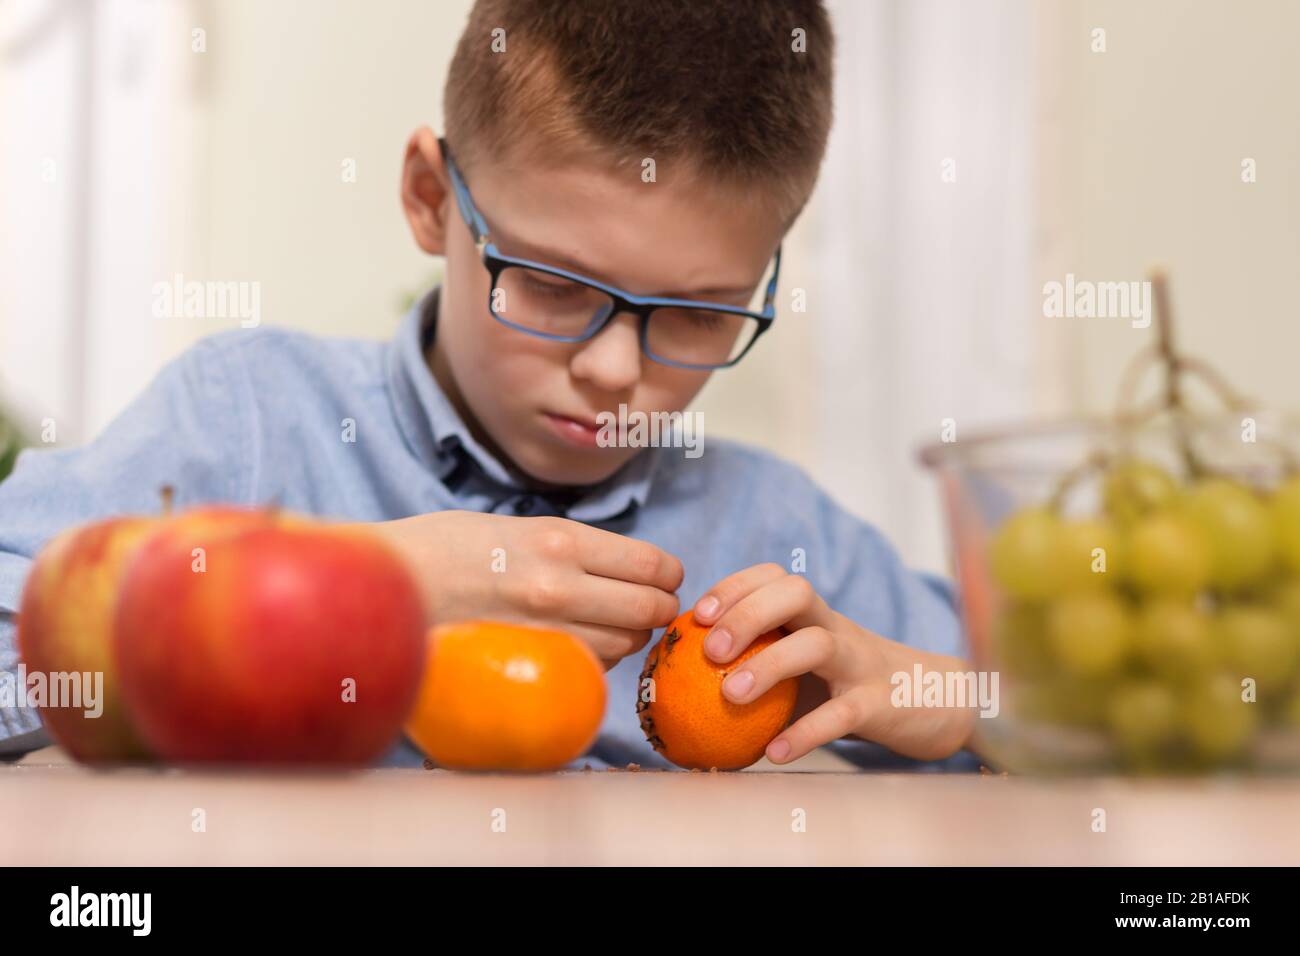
52,812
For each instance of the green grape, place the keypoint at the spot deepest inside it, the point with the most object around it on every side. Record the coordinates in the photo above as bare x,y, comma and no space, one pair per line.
1023,554
1174,639
1087,554
1090,634
1134,488
1285,510
1286,599
1167,554
1291,712
1037,700
1021,642
1217,722
1082,703
1033,700
1257,643
1239,531
1062,701
1143,716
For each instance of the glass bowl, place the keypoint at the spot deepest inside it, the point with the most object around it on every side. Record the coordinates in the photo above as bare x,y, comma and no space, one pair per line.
1136,623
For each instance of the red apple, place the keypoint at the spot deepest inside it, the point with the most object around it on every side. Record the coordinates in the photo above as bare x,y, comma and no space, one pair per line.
65,631
264,638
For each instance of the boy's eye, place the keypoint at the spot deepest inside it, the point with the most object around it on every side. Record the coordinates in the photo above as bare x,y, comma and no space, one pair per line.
702,319
694,318
551,285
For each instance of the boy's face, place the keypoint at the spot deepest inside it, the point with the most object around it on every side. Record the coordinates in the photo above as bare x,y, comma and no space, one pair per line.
535,402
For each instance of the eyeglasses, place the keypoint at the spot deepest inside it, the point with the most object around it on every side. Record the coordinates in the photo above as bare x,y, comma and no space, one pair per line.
553,303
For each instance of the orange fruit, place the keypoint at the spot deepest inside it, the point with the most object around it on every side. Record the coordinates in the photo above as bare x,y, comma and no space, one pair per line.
506,697
683,713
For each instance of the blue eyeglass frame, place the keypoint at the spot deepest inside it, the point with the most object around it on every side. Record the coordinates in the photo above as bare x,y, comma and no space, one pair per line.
623,301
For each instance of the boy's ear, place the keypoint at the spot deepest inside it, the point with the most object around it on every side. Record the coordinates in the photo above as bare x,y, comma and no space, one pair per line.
426,190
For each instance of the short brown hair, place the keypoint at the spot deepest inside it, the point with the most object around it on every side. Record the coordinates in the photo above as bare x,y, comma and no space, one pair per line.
721,89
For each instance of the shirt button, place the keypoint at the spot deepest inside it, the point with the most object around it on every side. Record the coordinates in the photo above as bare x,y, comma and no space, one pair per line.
524,505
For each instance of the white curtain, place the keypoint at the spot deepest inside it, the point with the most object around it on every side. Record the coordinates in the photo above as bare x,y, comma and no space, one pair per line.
90,93
922,238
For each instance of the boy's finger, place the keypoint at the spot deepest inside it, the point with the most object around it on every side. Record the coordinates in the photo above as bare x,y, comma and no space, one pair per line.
718,599
637,607
785,601
805,651
616,556
838,717
610,644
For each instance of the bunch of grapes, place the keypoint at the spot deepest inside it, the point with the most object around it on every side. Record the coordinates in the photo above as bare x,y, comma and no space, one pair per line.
1159,619
1167,621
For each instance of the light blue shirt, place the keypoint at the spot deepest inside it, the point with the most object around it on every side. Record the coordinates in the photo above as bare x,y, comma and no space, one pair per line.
253,416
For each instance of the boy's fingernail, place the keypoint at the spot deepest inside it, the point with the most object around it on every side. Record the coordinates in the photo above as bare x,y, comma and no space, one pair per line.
739,684
778,750
718,644
707,607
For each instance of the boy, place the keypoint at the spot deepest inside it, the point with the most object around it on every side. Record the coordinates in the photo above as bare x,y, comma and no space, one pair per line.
478,426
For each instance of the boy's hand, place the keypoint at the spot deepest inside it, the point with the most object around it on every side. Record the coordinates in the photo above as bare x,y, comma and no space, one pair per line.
606,589
844,669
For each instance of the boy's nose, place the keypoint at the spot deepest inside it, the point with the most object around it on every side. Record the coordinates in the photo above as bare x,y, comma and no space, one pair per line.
612,359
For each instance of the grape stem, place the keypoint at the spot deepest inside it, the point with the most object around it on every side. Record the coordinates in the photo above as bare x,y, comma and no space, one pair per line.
1132,380
1230,397
1175,365
1171,401
1098,461
1173,398
1165,340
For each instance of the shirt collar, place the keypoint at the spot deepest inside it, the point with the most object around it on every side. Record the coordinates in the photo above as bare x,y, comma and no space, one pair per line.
439,437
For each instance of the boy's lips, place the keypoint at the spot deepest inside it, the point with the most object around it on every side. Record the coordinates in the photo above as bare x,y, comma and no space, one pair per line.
580,431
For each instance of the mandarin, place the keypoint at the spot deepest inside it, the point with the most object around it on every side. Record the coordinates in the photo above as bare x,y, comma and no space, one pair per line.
506,697
683,713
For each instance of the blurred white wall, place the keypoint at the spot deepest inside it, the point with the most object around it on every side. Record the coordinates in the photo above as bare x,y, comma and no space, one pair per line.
1141,157
43,47
287,93
145,139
